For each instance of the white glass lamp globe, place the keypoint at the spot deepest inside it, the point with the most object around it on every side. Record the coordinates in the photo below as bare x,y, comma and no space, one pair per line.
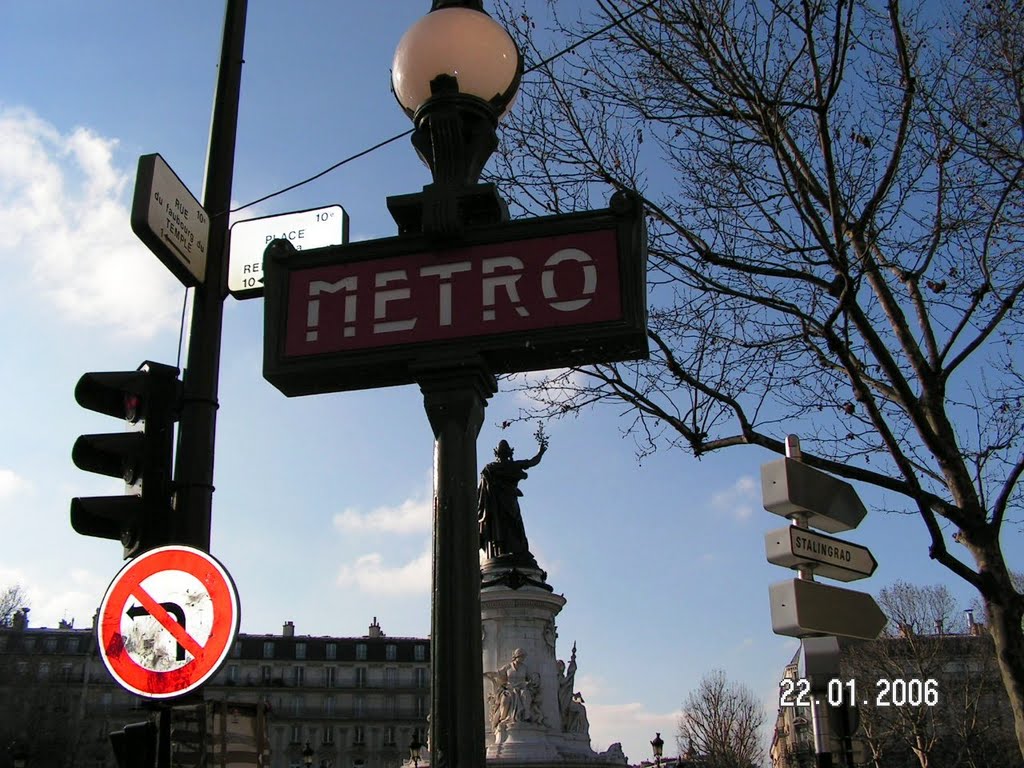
466,44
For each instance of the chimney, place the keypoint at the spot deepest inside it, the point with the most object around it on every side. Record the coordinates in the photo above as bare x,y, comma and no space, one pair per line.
289,629
938,626
375,629
19,621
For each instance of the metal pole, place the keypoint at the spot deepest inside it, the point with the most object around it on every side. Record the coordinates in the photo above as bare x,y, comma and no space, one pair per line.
454,398
197,428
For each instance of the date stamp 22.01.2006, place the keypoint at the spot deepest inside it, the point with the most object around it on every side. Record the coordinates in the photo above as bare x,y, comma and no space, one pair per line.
888,692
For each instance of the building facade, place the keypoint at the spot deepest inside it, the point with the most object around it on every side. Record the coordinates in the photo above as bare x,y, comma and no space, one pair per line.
356,702
923,699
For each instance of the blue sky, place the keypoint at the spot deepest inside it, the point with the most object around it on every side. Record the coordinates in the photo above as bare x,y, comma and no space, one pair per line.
321,508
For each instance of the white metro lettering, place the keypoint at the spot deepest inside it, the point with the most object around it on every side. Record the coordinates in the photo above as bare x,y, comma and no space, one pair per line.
491,291
547,279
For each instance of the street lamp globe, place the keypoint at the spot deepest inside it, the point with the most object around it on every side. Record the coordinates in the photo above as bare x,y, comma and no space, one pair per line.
461,44
307,755
658,747
455,73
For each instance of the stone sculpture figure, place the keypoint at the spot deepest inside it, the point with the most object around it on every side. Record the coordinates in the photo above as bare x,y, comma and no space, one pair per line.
566,680
516,696
502,533
575,718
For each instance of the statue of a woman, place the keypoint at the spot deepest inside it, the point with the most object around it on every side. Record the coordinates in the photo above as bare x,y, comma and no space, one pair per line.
501,522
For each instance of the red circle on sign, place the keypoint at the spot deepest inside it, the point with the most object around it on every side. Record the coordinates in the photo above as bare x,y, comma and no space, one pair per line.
206,658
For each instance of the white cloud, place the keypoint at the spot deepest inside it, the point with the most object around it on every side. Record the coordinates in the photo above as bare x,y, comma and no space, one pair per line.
66,224
739,499
72,595
410,516
369,574
11,484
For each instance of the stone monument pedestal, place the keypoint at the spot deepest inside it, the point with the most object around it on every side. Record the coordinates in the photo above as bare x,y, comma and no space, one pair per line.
524,719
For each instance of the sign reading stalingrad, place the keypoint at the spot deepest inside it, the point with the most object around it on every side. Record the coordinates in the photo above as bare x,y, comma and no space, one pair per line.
523,295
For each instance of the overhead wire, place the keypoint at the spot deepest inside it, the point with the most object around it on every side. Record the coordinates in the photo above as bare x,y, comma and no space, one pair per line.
533,68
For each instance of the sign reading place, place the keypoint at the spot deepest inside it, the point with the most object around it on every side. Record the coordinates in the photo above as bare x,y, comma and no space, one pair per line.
523,295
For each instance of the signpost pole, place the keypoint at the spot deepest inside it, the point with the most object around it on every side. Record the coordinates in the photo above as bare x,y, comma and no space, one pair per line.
197,428
455,399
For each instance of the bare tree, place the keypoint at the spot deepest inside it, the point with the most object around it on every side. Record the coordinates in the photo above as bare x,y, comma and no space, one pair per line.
961,720
721,722
12,600
834,191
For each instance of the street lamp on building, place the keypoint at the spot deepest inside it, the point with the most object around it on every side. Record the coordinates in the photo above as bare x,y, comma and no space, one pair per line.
307,755
415,749
658,746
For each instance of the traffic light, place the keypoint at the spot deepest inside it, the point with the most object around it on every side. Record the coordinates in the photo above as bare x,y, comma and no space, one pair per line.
148,399
135,745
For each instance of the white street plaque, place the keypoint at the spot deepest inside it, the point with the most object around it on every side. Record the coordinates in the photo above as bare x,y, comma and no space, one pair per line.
170,221
830,557
315,228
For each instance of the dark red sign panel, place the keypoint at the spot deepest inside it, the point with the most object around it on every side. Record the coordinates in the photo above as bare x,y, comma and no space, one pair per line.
430,296
523,295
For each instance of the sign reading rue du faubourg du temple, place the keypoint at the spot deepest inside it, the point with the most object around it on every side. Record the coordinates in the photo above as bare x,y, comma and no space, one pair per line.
523,295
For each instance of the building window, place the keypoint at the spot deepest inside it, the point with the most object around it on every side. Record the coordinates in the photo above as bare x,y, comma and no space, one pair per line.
360,651
332,651
328,705
50,644
236,649
330,677
44,670
265,672
328,735
358,735
391,652
419,652
65,672
296,705
389,735
421,677
360,677
359,706
296,737
421,706
298,675
268,649
390,706
233,673
300,650
391,677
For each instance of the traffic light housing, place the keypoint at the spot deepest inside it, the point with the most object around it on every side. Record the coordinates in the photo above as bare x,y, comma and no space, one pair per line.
149,401
135,745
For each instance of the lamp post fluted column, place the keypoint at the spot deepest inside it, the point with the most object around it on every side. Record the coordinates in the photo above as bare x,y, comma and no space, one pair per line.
455,73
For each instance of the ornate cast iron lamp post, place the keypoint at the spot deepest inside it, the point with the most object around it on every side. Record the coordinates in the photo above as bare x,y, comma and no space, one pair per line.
455,73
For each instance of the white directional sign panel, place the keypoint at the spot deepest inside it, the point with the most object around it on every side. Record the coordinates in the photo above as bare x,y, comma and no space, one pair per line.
315,228
804,608
170,221
830,557
790,487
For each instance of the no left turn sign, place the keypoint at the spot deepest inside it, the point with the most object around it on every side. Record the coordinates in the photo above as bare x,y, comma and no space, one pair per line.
167,621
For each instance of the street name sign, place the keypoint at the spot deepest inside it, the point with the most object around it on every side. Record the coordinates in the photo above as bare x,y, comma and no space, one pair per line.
167,621
314,228
522,295
170,221
830,557
804,608
790,487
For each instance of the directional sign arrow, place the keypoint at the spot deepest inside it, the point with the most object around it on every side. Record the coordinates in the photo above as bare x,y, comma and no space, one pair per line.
789,487
830,557
804,608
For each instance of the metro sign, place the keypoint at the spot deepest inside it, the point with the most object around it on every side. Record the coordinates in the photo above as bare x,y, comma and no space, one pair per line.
523,295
